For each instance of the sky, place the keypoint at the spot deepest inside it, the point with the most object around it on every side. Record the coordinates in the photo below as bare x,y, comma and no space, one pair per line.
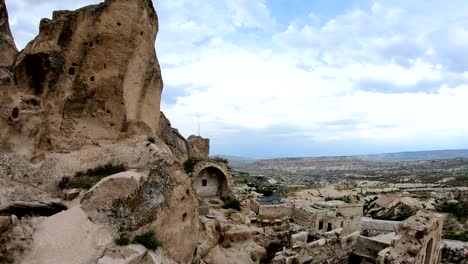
296,78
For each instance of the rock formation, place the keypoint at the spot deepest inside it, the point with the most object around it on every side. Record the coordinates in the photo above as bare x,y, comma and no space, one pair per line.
7,45
85,93
200,147
393,208
90,76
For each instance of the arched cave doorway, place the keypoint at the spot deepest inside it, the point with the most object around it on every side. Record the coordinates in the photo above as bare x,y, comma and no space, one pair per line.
428,256
210,182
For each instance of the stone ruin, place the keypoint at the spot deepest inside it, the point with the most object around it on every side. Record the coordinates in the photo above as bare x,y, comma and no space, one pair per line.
211,179
417,240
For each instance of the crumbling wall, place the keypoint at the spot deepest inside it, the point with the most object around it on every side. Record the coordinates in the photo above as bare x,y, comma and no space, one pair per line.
276,211
454,252
418,241
373,227
330,248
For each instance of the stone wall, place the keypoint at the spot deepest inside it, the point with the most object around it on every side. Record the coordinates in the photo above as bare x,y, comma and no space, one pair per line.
418,241
210,182
454,252
346,217
276,211
373,227
330,248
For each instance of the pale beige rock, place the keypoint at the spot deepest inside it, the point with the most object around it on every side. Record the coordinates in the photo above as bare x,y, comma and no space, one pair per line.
71,194
131,254
90,76
299,239
36,181
108,190
68,237
156,257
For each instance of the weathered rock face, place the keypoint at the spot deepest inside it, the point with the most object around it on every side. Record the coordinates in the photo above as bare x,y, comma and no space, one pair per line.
7,45
393,208
90,76
200,147
173,139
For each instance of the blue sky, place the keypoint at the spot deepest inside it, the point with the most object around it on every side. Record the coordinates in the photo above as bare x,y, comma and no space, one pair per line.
276,78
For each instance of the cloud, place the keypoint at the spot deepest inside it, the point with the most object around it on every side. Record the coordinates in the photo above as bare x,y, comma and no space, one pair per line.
250,13
388,76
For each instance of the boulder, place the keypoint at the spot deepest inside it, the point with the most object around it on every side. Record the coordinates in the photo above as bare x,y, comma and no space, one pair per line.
71,194
299,239
156,257
68,237
393,208
109,190
90,76
131,254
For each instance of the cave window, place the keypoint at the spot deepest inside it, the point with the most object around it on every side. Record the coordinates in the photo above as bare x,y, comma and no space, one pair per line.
92,78
118,24
15,113
204,182
329,227
71,71
91,44
320,227
342,224
184,217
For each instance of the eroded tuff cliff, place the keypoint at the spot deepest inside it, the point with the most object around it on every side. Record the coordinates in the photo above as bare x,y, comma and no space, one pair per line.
8,49
85,93
90,76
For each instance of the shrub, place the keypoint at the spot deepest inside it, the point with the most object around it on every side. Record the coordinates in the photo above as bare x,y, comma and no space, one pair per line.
253,257
265,191
122,240
148,240
189,165
456,210
232,204
219,159
87,179
103,171
457,236
151,139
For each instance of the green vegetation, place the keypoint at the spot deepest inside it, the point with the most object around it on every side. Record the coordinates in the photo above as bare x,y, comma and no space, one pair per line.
219,159
87,179
232,203
103,171
253,257
346,199
282,228
148,240
267,191
190,164
122,240
455,209
457,236
79,182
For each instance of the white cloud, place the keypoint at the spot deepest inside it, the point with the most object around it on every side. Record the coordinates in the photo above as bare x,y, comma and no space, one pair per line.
250,13
381,74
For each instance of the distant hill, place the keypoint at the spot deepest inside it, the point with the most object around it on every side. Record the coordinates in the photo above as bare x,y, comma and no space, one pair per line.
237,160
417,155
